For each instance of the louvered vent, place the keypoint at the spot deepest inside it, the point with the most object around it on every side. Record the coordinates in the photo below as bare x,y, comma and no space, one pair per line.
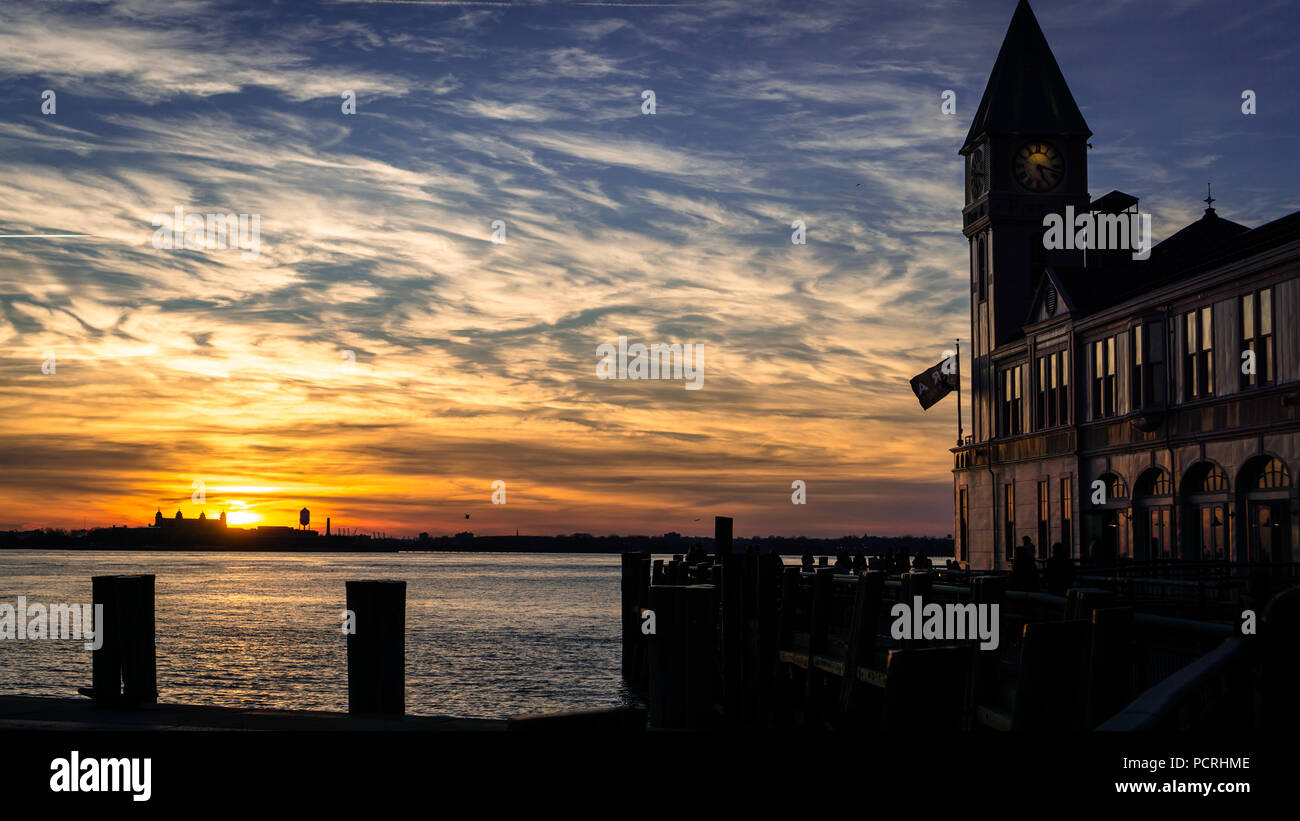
1051,301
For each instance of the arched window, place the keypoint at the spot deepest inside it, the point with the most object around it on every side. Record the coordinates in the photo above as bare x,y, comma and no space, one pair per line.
1154,482
1265,484
1270,474
1109,520
1115,487
1206,534
1205,477
1153,516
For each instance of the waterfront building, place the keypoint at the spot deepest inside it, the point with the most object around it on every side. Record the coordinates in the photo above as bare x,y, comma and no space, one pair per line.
1130,409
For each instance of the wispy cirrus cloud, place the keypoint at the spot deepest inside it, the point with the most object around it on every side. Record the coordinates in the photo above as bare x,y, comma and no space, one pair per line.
475,361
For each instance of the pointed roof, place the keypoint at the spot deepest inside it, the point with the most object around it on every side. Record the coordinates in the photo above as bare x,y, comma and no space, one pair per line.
1026,93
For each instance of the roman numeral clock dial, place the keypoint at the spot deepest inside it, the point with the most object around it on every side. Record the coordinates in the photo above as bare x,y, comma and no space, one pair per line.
1039,166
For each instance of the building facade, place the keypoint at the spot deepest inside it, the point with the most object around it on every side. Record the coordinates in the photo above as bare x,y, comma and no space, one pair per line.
1129,409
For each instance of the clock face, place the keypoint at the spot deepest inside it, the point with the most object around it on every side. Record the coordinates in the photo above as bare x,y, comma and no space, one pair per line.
978,176
1039,166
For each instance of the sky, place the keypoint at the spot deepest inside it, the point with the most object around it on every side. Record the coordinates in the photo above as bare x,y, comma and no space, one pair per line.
383,361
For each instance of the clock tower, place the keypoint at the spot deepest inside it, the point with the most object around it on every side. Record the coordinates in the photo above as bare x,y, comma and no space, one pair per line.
1026,157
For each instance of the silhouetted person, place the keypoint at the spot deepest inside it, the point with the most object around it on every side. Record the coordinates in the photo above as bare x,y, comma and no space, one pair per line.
922,562
1024,567
901,561
842,562
887,563
807,560
1060,571
859,562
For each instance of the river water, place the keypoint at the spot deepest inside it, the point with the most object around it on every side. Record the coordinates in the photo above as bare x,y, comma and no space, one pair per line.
487,634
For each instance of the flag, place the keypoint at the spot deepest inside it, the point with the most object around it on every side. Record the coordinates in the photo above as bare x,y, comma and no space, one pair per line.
935,383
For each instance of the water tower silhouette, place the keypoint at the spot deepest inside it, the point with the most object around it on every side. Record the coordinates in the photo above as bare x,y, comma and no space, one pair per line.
304,518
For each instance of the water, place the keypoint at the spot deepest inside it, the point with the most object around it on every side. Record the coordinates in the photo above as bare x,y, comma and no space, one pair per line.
487,634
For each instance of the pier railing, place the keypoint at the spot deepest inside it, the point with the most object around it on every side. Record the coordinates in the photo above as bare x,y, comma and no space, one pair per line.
813,647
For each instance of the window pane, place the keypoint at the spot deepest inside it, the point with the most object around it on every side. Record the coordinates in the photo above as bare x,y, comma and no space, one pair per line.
1207,337
1266,311
1248,316
1191,332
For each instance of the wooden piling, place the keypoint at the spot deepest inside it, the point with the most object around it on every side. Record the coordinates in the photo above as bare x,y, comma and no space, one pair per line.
768,594
124,669
377,647
721,535
924,688
862,637
636,599
818,633
733,636
681,657
1052,676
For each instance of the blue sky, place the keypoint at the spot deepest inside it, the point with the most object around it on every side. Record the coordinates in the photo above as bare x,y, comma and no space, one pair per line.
476,361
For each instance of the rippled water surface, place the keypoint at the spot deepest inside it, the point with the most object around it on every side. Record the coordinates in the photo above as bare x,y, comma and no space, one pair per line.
487,634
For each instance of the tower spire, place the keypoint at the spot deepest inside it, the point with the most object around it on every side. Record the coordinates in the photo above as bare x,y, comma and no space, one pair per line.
1209,199
1026,92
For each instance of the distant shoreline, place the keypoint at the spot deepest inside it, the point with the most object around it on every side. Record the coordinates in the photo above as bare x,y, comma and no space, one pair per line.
669,544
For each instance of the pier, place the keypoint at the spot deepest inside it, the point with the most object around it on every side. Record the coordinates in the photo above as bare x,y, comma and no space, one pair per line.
743,641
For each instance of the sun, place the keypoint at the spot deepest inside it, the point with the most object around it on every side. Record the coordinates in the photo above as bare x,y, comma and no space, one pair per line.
243,517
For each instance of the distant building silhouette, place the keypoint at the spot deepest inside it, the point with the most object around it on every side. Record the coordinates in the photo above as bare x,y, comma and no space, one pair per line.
180,523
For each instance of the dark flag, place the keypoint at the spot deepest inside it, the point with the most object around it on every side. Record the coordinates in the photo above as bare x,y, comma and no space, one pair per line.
935,383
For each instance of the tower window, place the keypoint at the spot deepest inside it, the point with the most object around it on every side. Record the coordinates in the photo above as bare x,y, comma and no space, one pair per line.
981,269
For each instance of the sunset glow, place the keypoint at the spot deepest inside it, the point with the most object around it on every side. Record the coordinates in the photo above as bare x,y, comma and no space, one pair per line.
382,361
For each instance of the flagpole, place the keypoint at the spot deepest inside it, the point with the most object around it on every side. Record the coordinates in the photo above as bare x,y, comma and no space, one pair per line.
959,436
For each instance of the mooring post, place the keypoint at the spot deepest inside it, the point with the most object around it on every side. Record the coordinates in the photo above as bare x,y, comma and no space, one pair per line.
733,637
377,647
636,598
721,536
682,657
124,670
106,663
140,660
